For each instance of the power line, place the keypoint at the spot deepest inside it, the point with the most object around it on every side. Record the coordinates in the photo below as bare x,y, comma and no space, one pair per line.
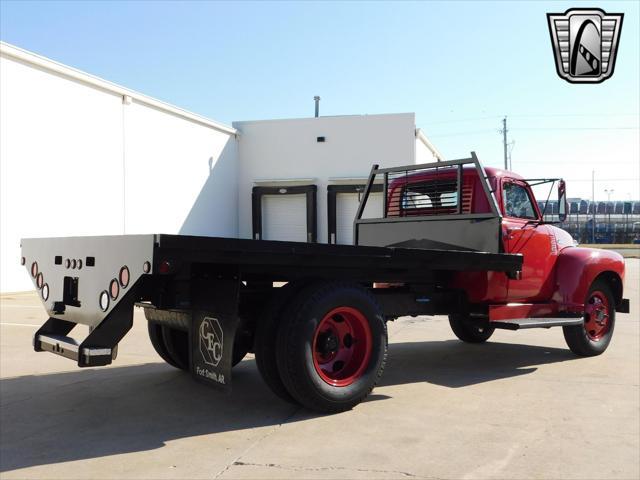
605,180
476,132
535,115
577,128
455,134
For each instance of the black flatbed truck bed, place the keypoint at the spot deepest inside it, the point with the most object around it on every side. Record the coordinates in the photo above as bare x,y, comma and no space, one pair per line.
183,281
284,261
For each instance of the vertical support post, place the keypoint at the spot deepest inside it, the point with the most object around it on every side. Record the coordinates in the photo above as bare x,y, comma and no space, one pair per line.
331,215
593,201
363,201
385,187
460,180
256,215
312,215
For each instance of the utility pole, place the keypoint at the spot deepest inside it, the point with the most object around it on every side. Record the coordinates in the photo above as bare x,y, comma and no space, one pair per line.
504,141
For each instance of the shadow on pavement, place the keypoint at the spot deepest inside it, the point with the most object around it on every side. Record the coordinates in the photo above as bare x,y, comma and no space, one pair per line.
83,414
455,364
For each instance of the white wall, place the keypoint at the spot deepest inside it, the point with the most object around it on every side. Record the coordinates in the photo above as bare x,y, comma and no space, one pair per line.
76,160
180,177
287,149
82,156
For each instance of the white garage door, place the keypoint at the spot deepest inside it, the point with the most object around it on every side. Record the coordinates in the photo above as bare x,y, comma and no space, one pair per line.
346,209
284,217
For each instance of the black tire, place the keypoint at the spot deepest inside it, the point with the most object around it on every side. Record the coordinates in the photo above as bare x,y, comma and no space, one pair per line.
467,330
241,346
176,343
264,346
580,339
295,347
155,335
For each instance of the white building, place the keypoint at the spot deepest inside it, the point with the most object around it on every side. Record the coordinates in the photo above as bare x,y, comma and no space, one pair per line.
83,156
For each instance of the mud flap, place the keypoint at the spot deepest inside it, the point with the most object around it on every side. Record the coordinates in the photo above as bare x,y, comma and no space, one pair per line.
213,329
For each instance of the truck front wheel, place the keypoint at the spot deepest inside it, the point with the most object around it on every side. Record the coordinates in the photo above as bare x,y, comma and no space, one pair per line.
594,335
331,346
469,331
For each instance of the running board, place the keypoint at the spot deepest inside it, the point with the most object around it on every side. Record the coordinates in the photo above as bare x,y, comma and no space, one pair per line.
521,323
67,347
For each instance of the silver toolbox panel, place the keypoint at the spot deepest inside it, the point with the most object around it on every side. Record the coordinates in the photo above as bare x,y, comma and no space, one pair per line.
110,255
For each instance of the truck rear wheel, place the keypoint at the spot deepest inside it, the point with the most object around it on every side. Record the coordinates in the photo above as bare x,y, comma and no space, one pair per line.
157,340
172,344
331,346
594,335
469,331
265,339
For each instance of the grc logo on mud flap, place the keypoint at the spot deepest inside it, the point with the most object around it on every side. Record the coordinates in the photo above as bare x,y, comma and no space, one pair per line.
211,338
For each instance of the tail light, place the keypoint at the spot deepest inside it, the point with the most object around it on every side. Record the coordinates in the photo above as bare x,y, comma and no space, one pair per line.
114,289
124,276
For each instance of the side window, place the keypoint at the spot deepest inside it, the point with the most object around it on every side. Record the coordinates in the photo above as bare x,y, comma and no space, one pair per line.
517,202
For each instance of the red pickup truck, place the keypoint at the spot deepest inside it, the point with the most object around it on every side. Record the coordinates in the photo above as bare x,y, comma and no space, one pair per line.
452,238
558,279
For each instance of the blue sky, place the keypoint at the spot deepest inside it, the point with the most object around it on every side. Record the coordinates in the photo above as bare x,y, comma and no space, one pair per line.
460,66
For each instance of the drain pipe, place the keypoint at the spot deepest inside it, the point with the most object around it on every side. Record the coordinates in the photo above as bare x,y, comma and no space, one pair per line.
317,100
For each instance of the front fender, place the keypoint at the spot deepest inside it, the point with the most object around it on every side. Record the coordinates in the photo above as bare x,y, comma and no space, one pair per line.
577,268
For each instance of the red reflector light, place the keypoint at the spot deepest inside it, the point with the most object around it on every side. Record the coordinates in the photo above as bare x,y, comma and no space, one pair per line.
39,280
124,276
114,289
164,267
34,269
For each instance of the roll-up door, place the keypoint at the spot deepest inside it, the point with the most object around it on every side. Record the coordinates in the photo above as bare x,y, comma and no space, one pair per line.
346,209
284,217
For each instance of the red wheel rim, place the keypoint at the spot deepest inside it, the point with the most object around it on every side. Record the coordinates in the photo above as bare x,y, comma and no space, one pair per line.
342,346
597,320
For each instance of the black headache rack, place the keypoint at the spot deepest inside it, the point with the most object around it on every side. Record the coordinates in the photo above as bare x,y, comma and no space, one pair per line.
429,206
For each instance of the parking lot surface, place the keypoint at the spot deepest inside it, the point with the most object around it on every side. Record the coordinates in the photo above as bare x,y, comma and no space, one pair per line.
520,406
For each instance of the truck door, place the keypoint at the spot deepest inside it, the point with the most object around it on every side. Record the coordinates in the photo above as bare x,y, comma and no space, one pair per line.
524,234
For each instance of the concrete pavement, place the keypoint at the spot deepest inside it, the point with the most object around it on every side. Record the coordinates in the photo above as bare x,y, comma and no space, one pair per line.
520,406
